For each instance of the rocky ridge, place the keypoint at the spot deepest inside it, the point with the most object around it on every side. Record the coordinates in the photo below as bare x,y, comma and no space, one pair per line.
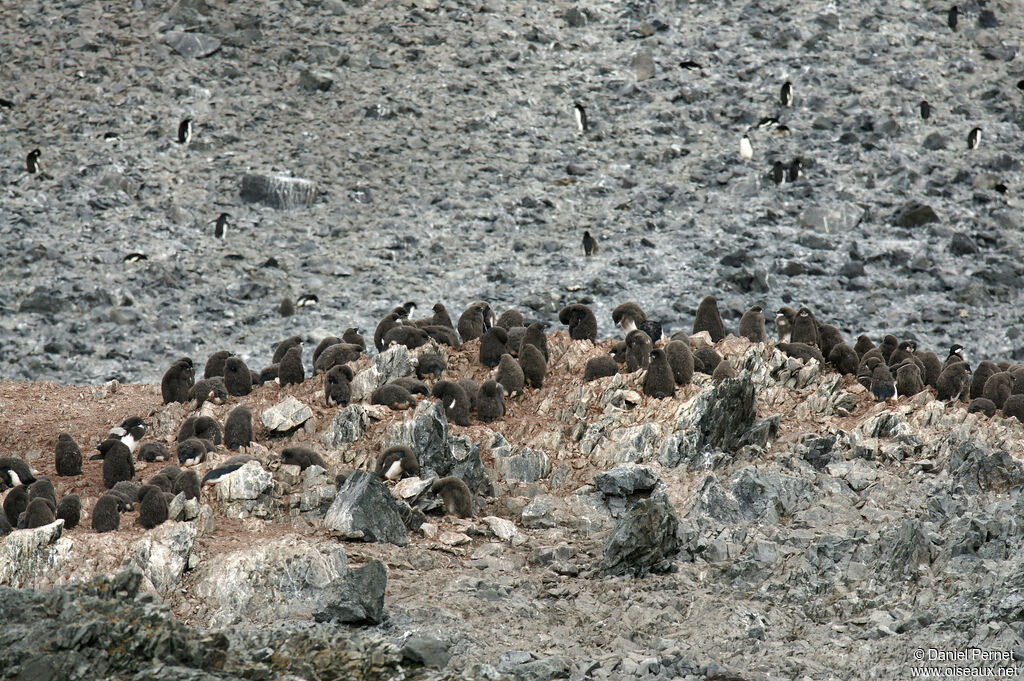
778,523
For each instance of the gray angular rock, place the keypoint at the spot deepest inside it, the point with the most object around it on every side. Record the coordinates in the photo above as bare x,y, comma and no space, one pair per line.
29,557
163,554
718,419
633,444
286,415
839,218
643,64
192,45
247,483
914,215
315,81
539,513
357,597
975,468
364,509
644,540
426,651
43,300
282,579
395,362
626,479
348,425
278,191
526,466
468,466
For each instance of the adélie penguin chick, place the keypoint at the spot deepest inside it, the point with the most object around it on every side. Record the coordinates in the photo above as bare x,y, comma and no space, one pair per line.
490,404
659,381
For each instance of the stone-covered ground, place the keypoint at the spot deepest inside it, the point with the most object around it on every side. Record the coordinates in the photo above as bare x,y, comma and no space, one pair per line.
779,524
447,166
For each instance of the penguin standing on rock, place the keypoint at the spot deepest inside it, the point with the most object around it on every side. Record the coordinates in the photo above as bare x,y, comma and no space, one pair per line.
455,494
581,321
805,328
338,385
32,164
659,382
882,385
493,344
680,360
590,246
786,94
237,378
290,370
455,401
708,319
177,381
510,375
973,138
628,315
581,118
535,336
185,131
638,350
533,364
752,325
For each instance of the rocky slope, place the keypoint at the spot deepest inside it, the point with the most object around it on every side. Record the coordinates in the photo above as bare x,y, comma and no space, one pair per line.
445,162
780,523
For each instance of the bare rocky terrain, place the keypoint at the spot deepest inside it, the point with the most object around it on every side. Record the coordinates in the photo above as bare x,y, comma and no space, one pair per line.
781,524
446,165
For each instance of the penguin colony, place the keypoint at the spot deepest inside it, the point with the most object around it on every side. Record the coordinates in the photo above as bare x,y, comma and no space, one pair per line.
511,348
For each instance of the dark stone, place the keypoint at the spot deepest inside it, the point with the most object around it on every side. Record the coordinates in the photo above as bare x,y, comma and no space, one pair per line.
730,414
987,19
365,509
626,479
426,651
644,540
761,432
315,81
819,451
852,269
44,300
961,244
358,597
914,215
935,141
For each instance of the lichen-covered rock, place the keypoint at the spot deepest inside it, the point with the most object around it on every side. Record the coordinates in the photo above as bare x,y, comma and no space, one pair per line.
31,557
526,466
163,554
716,420
395,362
247,483
278,580
278,191
286,415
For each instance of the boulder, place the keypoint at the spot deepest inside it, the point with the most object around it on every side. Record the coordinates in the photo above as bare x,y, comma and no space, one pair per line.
364,509
644,540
